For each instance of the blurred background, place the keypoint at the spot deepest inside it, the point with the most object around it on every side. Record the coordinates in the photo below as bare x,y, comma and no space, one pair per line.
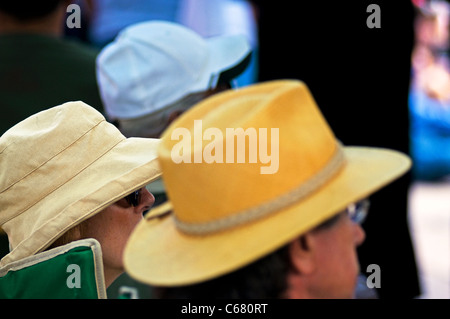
429,111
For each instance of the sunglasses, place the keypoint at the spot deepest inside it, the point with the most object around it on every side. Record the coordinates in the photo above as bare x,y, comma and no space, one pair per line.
134,198
357,212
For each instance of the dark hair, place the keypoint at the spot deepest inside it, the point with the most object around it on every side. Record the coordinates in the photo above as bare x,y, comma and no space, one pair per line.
28,10
77,232
263,279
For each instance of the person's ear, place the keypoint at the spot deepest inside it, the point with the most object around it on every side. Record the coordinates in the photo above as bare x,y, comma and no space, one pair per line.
302,255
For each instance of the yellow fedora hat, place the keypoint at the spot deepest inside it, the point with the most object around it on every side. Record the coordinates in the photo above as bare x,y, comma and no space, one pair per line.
62,166
227,212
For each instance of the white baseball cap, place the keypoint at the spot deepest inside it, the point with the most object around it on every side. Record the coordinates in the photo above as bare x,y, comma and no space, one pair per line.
153,64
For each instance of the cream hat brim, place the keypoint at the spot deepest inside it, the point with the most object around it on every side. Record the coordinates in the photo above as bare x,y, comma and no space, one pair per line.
159,254
86,168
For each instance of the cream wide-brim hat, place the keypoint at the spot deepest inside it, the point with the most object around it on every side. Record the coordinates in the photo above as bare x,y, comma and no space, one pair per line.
62,166
225,216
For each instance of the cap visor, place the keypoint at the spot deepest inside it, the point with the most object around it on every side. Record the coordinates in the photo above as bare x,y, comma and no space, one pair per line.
229,56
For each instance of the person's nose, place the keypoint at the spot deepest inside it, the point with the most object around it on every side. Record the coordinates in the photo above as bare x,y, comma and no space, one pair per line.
147,200
359,234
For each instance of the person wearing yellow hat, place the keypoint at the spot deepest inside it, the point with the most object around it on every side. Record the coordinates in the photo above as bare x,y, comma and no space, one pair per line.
70,176
243,223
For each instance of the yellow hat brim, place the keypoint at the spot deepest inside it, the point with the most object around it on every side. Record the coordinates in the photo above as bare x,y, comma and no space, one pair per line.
157,253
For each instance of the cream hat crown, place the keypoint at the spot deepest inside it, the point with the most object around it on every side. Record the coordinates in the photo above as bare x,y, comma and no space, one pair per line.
60,167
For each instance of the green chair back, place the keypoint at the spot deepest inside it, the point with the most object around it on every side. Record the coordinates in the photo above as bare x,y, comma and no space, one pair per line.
73,271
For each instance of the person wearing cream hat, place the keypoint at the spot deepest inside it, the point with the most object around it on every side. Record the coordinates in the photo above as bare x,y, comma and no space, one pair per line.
70,175
241,223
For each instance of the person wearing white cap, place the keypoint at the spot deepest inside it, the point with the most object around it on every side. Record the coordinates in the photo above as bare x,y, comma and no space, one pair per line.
155,70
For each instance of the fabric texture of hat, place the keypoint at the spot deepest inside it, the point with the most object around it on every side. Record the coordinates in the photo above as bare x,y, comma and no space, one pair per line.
62,166
151,65
226,215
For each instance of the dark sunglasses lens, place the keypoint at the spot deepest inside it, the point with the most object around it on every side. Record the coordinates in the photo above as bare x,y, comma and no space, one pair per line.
134,198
